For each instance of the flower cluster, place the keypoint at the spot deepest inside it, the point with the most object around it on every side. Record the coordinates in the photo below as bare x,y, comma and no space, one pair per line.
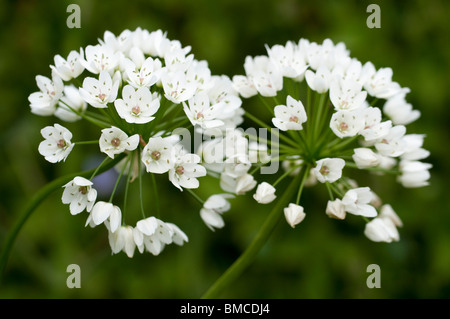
330,111
139,89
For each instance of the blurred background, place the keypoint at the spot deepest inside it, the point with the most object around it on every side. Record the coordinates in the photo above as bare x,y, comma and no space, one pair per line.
321,258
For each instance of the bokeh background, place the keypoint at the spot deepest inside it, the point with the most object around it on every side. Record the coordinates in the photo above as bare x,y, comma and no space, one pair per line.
321,258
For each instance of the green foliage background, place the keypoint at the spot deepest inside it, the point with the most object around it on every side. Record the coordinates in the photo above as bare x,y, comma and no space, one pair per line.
321,258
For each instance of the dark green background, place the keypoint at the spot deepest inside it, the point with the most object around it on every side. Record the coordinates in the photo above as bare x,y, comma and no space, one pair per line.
321,258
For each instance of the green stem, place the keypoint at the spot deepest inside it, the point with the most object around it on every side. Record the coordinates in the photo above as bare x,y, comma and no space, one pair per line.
239,266
36,200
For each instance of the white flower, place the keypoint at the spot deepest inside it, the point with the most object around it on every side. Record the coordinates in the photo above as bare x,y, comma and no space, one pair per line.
290,116
102,211
356,202
176,88
44,102
200,112
213,208
57,145
79,194
153,234
265,193
157,155
137,106
414,173
346,123
121,43
288,59
386,211
379,83
122,240
185,169
335,209
265,76
244,86
115,141
365,158
178,237
144,75
68,68
400,111
294,214
381,229
319,81
239,185
413,147
347,95
329,169
70,102
99,93
100,58
392,144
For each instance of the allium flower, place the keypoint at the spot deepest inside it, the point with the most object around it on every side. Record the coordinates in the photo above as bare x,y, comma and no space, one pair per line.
57,144
132,89
294,214
339,113
115,141
213,208
79,194
265,193
290,117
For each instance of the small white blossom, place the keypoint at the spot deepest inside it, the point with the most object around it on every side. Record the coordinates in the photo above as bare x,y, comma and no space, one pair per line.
392,144
319,81
79,194
414,173
413,147
178,236
379,82
137,106
70,102
102,211
346,123
157,155
239,185
57,145
335,209
347,95
356,202
122,240
185,169
290,116
265,193
144,75
115,141
400,111
365,158
200,112
294,214
68,68
213,208
100,58
387,211
329,169
99,93
381,229
44,102
244,85
176,87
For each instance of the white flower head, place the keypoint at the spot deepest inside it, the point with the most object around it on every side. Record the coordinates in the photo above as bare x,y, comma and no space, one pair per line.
290,116
44,102
185,169
356,202
265,193
329,169
346,123
157,155
99,93
115,141
137,106
57,145
294,214
79,194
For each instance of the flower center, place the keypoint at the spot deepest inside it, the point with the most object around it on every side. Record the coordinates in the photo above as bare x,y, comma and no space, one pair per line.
102,96
83,190
156,155
324,170
61,143
200,115
115,142
180,170
293,118
136,110
343,126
